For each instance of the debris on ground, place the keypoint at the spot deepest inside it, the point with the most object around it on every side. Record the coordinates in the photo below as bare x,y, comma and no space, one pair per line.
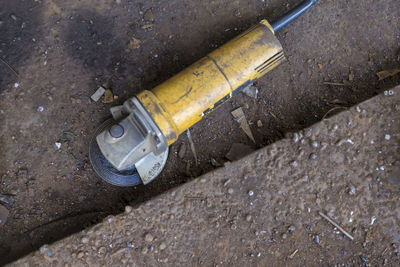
387,73
238,151
192,147
336,225
98,94
215,163
293,254
134,43
333,83
251,91
239,116
3,214
317,240
57,145
108,96
7,200
148,15
147,26
351,75
182,151
259,123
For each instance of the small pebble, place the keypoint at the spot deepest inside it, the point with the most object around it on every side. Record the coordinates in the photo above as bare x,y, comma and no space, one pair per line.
128,209
84,240
230,191
40,108
363,258
57,145
387,137
251,193
163,246
313,156
352,190
293,163
248,218
16,85
314,144
316,239
148,237
284,236
80,255
110,218
145,250
291,228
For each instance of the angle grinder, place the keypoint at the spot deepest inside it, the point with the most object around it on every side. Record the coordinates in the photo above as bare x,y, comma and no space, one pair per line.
132,147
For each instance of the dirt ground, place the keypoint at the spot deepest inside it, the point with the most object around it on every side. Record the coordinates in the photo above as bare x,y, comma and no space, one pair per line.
271,208
59,52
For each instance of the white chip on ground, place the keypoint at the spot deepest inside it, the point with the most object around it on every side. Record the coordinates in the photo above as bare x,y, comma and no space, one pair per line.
99,93
58,145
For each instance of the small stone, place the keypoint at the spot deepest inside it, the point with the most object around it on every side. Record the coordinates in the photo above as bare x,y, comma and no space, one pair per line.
230,191
352,190
248,218
313,156
40,108
84,240
57,145
259,123
80,255
291,228
182,151
16,85
148,15
162,246
387,137
13,16
251,193
316,239
110,218
128,209
314,144
363,258
145,250
293,164
148,237
284,236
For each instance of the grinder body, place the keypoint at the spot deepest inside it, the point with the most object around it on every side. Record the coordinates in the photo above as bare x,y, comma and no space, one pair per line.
184,99
132,148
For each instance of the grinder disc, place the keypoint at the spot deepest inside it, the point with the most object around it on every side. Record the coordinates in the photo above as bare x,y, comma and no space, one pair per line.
127,177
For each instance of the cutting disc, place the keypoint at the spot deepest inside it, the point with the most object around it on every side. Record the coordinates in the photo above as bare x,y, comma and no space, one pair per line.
127,177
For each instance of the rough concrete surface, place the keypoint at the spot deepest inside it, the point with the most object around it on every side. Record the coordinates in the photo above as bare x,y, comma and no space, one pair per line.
264,209
62,51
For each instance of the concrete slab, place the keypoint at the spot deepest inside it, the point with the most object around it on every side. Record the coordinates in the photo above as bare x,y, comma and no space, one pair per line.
264,209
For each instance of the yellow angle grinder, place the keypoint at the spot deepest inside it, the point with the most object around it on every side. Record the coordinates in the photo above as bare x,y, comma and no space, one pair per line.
132,147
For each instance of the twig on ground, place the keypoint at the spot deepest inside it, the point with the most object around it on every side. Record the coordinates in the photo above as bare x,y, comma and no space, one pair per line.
293,254
9,66
336,225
